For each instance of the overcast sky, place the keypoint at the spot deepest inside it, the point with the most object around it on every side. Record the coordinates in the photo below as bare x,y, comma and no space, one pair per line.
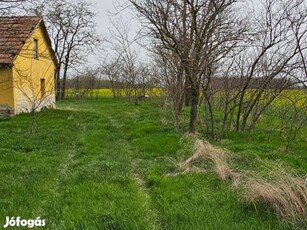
106,13
103,8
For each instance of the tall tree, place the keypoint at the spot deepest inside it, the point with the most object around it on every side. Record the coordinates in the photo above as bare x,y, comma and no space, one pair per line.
198,32
73,32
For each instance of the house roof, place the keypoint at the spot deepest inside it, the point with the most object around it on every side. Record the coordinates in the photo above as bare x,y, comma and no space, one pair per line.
14,32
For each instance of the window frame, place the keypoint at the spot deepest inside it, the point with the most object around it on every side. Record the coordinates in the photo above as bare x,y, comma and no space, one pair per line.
35,48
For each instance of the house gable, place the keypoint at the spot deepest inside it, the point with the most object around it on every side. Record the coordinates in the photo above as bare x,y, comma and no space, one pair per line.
14,31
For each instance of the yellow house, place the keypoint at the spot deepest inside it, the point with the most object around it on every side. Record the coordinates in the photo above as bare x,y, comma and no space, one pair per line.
27,65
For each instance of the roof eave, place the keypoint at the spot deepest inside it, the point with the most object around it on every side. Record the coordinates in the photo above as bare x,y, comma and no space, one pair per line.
6,65
46,34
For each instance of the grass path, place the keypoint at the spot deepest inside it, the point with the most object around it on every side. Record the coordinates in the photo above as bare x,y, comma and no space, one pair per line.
100,165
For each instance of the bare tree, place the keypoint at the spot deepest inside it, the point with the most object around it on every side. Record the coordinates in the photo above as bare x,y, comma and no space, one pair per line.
112,71
270,59
195,32
292,115
126,59
73,32
35,99
170,78
273,54
9,6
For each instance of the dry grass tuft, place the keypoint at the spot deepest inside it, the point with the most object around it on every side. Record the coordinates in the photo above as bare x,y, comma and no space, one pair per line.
219,157
280,189
286,193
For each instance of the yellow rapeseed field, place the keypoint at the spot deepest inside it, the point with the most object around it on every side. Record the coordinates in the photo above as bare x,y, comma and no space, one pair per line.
108,92
291,97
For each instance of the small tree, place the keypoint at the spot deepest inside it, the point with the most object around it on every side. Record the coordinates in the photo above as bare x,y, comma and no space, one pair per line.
34,97
112,71
292,112
126,68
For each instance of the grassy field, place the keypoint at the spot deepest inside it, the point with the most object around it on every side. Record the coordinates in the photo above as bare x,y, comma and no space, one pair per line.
100,164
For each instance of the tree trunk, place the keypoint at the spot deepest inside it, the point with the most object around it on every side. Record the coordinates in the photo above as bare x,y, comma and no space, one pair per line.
57,84
194,107
63,88
33,121
187,94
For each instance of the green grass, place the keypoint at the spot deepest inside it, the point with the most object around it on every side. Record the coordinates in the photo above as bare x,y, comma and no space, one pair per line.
100,164
266,144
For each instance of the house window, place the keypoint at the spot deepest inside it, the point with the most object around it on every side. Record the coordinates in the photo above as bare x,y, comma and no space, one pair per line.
43,88
35,49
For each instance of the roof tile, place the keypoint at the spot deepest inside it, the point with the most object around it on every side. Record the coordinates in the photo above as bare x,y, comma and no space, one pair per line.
14,31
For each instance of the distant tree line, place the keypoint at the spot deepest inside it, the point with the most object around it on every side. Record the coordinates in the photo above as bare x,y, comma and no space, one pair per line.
90,83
